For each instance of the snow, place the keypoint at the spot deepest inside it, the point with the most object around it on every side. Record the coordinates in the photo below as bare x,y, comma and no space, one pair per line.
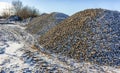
2,58
14,25
13,47
117,70
11,57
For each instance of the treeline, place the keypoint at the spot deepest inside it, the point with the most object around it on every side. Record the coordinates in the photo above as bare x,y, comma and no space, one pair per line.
22,11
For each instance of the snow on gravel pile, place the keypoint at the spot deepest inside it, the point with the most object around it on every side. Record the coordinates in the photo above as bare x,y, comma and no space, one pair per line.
16,56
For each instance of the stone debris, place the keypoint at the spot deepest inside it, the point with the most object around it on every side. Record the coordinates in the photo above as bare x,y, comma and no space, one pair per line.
17,56
92,35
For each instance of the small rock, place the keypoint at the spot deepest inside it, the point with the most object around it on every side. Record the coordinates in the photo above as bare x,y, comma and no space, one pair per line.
29,60
11,71
2,50
26,70
2,71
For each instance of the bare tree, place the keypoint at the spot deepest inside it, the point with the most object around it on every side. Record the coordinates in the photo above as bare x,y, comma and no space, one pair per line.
5,14
17,6
34,12
27,12
24,11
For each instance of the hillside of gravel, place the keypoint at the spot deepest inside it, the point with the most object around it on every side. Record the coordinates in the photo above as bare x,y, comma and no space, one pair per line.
92,35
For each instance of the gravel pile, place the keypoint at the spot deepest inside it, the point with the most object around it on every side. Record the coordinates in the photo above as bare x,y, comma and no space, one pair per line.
91,35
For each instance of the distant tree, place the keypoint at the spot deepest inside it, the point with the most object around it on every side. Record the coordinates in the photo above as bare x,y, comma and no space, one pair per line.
17,6
27,12
34,12
22,11
5,14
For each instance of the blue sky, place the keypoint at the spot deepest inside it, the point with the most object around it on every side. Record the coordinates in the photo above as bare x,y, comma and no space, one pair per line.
69,6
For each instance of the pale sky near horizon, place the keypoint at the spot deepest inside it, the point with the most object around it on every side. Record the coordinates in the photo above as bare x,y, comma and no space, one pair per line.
69,6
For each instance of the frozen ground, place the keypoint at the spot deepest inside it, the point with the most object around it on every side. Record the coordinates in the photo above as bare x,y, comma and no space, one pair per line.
18,56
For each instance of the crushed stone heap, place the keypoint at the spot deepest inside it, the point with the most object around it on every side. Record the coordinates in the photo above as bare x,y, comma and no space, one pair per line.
91,35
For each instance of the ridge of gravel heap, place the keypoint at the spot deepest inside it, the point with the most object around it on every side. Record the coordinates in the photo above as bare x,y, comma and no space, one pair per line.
40,25
92,35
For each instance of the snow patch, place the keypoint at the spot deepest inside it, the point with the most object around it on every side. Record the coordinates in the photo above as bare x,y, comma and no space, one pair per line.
13,47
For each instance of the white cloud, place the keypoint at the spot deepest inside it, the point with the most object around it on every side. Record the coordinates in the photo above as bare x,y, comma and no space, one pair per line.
4,6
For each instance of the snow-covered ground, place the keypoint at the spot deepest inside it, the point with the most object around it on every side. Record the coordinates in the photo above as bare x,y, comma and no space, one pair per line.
11,57
18,56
